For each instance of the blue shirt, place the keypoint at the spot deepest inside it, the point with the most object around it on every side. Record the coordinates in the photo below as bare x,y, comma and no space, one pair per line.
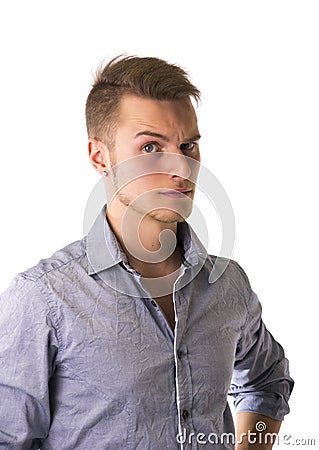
88,360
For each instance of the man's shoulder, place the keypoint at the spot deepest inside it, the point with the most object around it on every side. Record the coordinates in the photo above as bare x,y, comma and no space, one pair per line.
35,288
228,271
60,261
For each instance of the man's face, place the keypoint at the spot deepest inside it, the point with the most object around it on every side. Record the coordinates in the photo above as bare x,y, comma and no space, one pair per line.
167,130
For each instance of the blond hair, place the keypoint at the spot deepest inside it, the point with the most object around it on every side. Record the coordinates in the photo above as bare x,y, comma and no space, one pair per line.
143,76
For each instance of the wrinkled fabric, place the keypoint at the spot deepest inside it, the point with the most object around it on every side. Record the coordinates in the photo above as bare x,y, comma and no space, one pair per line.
88,360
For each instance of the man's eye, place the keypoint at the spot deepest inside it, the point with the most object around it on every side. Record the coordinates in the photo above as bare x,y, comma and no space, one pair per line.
187,146
151,147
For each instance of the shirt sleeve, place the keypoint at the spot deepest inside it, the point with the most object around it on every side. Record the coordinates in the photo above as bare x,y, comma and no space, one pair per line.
28,345
261,382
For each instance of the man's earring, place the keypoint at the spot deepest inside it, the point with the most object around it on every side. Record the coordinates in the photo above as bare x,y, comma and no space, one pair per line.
105,173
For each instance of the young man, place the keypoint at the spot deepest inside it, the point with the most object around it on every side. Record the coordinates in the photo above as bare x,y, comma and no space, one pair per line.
120,341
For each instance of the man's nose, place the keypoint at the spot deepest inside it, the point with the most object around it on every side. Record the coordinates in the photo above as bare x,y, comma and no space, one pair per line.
178,165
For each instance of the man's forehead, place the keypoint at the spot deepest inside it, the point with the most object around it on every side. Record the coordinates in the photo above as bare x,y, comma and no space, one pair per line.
150,114
144,106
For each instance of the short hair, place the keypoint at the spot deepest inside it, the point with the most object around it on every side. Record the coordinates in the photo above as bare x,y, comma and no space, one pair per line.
143,76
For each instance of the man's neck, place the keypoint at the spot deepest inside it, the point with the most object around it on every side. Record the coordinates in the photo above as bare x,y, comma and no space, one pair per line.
150,245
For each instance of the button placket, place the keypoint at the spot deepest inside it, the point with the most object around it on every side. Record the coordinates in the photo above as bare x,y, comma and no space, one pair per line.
182,371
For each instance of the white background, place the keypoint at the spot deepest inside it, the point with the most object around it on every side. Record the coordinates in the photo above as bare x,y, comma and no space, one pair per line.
256,63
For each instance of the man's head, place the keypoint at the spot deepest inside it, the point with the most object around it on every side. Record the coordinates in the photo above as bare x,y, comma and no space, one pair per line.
142,106
151,78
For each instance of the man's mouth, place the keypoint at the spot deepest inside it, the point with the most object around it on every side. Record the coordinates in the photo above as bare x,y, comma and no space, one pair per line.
176,193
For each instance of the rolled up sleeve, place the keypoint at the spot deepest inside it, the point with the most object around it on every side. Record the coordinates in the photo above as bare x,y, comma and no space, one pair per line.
261,382
28,345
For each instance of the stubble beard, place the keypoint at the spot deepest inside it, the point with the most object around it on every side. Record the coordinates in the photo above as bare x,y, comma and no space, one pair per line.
163,215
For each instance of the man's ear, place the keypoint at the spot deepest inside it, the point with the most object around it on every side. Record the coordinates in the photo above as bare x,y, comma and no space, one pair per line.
98,155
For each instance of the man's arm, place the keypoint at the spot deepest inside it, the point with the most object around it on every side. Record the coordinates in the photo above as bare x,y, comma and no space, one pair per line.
261,385
255,431
28,346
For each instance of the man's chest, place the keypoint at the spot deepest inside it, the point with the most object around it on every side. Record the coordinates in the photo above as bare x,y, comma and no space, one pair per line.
126,341
166,304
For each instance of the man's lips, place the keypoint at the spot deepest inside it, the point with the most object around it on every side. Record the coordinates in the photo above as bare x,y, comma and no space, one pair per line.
176,193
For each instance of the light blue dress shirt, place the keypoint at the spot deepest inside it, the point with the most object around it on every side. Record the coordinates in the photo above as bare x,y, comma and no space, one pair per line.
89,362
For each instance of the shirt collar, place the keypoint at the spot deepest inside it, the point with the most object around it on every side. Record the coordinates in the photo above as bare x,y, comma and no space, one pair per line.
102,248
104,251
193,248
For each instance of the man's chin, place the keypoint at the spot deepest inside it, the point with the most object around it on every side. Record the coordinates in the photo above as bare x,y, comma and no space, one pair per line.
168,216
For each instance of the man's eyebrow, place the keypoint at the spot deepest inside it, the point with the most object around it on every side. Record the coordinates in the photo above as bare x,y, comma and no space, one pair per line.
153,134
196,137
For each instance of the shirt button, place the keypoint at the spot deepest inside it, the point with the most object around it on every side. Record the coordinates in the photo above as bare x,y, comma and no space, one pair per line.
185,414
179,353
154,304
